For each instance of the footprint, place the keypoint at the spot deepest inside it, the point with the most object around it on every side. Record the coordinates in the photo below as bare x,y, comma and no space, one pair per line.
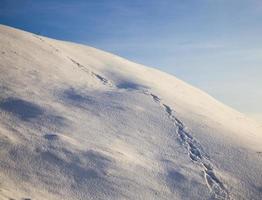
156,98
51,137
168,109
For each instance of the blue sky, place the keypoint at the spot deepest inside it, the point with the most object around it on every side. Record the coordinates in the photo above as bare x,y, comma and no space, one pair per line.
215,45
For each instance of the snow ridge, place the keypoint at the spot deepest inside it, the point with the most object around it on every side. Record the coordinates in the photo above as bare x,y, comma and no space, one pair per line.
78,122
194,149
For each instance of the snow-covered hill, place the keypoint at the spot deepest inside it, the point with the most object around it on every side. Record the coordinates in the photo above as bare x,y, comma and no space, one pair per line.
80,123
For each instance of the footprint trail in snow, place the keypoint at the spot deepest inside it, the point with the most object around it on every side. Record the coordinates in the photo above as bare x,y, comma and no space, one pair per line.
195,153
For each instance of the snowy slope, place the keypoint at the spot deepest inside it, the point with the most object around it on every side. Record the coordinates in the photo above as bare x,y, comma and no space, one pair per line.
80,123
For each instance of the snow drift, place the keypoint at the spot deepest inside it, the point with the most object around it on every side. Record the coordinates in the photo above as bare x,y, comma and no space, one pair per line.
80,123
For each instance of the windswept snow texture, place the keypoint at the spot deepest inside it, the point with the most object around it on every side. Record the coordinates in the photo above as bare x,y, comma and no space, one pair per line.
80,123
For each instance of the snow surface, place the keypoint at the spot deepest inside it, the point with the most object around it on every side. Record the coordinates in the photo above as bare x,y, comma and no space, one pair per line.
80,123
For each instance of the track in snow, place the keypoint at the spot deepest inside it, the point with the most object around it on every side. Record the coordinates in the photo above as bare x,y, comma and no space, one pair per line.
196,154
80,66
85,69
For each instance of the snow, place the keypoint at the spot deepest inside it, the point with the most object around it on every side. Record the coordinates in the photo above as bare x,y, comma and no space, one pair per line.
80,123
